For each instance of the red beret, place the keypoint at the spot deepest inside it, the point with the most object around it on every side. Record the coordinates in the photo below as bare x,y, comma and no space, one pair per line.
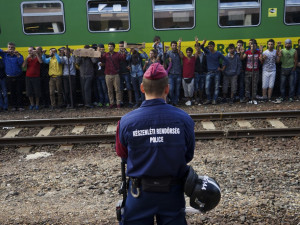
155,72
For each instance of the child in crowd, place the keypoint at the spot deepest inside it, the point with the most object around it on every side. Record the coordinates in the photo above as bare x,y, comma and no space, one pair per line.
158,47
231,73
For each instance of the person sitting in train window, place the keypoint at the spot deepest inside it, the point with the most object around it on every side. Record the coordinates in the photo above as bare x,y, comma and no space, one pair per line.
33,80
297,80
157,45
125,77
55,74
200,75
3,89
289,59
175,73
86,65
241,77
112,78
13,61
252,57
268,58
69,77
136,71
233,69
188,73
214,69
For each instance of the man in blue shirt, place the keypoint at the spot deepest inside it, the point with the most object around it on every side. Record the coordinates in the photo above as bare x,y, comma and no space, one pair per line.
175,73
213,75
158,141
13,61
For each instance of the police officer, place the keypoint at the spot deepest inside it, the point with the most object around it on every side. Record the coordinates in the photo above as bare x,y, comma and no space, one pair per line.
158,141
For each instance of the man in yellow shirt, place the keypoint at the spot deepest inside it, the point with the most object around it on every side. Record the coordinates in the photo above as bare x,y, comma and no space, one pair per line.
55,74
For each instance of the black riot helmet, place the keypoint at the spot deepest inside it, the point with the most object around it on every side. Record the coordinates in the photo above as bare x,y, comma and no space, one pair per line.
204,192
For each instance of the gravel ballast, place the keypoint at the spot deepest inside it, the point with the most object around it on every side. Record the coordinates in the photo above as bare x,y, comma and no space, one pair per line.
259,177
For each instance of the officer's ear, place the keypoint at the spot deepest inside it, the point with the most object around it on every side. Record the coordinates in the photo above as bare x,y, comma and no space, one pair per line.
167,89
142,88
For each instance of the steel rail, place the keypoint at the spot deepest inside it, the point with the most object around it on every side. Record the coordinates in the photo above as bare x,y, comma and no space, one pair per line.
110,138
195,117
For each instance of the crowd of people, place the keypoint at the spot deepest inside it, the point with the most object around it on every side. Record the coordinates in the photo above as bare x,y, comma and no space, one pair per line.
113,80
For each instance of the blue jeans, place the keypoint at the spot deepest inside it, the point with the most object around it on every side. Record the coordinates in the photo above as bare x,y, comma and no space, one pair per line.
297,81
167,207
127,79
3,94
199,81
102,89
136,84
287,73
174,82
212,76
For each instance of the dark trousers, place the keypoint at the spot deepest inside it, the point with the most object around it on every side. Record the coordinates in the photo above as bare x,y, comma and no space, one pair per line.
45,95
86,89
15,87
67,88
168,207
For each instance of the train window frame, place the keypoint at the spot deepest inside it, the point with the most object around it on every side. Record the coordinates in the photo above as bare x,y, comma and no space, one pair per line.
174,9
235,7
107,31
41,2
291,4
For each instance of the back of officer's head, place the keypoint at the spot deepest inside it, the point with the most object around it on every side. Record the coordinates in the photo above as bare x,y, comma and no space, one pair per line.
155,80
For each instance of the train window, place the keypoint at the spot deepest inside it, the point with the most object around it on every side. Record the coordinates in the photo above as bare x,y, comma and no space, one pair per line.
292,12
239,13
43,17
108,15
173,14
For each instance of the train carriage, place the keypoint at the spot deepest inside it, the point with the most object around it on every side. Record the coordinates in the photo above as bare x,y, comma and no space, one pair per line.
56,23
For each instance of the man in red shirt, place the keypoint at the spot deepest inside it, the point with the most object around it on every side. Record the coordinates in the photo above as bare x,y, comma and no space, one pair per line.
252,57
33,88
188,63
112,64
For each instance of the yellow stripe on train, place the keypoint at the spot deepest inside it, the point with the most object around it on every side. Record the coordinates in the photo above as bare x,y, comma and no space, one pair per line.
221,45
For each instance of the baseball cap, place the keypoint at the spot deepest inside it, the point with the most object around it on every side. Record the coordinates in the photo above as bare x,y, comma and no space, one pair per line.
288,41
101,45
155,72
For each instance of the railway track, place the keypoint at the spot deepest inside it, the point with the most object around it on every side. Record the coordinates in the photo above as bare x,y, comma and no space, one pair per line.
245,130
